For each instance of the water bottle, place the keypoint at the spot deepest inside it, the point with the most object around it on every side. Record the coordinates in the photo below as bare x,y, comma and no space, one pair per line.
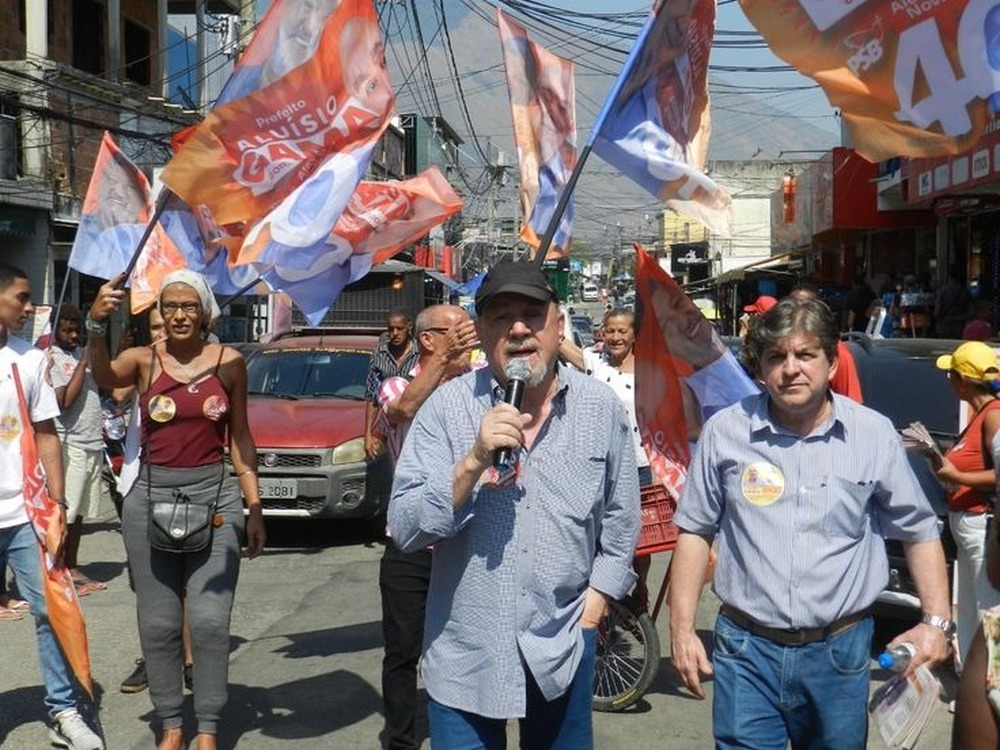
898,657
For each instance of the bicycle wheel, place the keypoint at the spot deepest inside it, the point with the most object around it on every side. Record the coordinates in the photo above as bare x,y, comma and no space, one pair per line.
628,657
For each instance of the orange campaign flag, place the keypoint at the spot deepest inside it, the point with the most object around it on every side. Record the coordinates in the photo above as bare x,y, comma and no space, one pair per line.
911,77
380,219
543,106
61,602
683,372
312,83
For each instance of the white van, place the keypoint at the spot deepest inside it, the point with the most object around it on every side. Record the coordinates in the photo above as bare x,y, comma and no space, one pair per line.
591,293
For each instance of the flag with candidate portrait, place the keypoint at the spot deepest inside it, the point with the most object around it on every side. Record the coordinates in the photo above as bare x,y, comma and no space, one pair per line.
910,78
115,213
380,219
61,601
312,88
683,372
655,124
543,107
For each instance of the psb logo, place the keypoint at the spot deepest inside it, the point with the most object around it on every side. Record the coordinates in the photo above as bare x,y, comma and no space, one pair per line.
825,13
865,47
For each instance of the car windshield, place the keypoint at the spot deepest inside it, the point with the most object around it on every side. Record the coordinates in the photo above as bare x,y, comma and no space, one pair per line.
308,373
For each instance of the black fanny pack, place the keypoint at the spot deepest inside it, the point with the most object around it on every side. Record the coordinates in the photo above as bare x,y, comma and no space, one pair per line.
181,519
178,522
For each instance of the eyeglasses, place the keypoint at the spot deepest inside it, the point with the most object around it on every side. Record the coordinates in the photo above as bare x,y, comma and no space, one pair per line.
169,309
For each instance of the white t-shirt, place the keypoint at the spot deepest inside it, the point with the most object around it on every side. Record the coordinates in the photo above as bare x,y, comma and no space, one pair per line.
80,424
623,384
42,405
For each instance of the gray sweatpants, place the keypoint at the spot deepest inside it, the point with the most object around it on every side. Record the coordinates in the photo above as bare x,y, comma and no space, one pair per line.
206,580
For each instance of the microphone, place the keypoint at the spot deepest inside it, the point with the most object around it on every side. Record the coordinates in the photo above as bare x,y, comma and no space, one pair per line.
517,372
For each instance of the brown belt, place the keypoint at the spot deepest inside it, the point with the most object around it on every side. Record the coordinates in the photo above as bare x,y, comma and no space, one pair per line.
792,636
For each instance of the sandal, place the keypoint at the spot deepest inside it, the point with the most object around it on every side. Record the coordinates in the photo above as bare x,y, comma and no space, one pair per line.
11,614
18,605
85,586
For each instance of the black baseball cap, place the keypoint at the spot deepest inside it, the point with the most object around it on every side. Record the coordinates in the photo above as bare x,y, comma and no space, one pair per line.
514,277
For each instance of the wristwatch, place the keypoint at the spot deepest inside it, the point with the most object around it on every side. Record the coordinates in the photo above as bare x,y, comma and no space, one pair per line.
942,623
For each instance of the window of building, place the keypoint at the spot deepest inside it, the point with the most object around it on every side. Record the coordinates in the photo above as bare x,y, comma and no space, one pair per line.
137,53
88,36
11,158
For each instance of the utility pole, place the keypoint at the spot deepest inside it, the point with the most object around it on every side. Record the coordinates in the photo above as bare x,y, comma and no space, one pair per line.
248,19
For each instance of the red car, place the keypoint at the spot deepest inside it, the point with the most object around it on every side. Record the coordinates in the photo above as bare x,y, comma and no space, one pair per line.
307,417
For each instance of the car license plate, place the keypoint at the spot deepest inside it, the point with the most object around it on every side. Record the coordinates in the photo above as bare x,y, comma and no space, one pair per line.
278,488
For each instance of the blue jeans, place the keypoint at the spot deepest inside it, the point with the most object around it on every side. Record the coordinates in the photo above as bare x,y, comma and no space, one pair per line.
767,694
562,724
19,549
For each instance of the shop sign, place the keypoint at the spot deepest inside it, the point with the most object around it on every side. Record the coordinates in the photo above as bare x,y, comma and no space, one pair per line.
683,255
930,179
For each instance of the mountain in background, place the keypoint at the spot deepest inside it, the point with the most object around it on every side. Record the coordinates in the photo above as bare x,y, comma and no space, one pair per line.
609,208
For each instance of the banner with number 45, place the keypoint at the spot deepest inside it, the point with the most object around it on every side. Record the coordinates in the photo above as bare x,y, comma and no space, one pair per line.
911,77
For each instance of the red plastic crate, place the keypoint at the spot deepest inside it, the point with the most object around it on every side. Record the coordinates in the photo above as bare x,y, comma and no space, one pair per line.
659,532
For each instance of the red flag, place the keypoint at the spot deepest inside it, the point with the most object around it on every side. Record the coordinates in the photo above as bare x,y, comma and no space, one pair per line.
61,602
683,372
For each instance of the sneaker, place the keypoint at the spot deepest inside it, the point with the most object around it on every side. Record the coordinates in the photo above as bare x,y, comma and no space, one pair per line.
69,730
137,681
189,677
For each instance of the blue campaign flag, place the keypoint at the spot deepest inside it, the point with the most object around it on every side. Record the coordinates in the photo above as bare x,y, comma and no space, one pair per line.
654,125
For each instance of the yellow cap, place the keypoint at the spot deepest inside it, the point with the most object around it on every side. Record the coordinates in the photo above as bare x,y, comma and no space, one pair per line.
973,359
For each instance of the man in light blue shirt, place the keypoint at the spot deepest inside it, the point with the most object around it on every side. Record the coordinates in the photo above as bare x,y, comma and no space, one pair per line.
799,486
527,556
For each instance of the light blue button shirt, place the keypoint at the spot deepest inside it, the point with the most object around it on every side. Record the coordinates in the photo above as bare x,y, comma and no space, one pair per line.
511,568
800,521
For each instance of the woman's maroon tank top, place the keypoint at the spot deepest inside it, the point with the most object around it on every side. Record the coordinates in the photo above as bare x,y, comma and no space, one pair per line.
183,424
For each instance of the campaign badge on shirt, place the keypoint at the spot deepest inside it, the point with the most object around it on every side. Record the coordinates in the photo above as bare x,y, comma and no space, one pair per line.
214,408
162,408
10,427
762,483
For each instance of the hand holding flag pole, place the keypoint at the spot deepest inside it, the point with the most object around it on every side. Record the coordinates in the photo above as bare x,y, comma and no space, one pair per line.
161,204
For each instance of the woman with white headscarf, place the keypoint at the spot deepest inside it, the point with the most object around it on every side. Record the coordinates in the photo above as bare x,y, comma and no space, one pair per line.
192,394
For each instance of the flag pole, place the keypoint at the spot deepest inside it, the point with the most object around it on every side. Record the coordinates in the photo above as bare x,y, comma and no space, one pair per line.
54,312
161,204
609,103
241,292
567,192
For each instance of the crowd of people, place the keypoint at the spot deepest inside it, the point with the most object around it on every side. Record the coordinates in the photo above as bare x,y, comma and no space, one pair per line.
514,517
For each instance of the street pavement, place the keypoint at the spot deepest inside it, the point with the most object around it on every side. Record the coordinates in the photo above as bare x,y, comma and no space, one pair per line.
305,656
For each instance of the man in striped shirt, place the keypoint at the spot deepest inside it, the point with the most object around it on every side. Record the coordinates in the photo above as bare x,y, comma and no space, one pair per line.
396,354
799,485
446,337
